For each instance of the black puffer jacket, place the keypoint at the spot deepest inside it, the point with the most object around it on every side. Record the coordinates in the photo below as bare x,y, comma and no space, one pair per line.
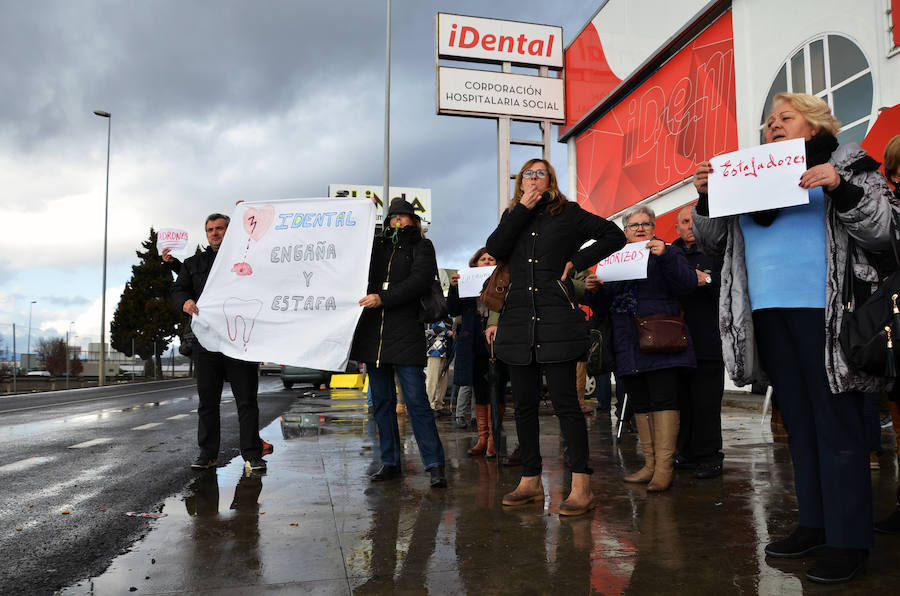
192,278
393,334
541,314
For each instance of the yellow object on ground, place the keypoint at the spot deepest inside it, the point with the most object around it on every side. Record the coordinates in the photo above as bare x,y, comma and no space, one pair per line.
347,381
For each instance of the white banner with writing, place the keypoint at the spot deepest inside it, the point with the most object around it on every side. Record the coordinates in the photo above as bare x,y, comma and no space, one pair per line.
758,178
628,263
175,240
471,280
287,280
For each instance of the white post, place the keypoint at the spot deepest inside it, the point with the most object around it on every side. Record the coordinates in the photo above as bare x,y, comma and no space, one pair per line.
386,190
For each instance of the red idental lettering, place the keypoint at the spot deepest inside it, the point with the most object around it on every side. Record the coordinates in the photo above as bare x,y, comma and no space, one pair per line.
487,42
463,43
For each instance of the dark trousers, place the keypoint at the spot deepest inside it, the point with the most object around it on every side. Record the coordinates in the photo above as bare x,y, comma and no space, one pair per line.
700,401
526,386
652,391
825,431
212,369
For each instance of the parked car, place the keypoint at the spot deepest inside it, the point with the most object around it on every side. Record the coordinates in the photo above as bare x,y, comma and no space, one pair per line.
299,374
269,368
38,373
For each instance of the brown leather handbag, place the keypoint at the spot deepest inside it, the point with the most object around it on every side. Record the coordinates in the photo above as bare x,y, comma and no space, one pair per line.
493,294
661,334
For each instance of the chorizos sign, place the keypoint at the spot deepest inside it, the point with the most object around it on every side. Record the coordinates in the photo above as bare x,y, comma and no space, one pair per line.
492,40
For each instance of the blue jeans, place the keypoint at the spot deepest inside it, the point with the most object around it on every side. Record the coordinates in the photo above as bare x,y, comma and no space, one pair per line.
384,399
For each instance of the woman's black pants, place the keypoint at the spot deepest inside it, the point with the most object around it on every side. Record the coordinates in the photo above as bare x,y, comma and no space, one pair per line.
825,430
526,386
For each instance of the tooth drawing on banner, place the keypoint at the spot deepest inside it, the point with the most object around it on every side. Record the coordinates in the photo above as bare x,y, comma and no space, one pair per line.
256,223
240,316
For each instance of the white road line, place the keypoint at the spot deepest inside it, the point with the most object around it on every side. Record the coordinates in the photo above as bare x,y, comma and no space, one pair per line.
194,411
177,417
84,401
147,426
91,443
25,464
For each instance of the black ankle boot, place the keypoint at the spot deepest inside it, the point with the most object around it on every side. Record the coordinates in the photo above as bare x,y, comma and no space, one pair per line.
891,524
804,541
837,565
438,480
386,473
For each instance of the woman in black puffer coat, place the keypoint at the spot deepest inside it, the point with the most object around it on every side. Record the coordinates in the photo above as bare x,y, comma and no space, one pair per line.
541,326
390,339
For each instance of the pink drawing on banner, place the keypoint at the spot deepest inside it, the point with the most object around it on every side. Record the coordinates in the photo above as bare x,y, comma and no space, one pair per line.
240,317
256,223
242,269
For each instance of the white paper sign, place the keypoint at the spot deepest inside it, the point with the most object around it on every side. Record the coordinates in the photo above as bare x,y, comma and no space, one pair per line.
471,280
174,239
758,178
628,263
287,280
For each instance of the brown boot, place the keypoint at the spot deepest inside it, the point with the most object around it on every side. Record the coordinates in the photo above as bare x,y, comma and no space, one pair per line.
491,451
530,489
645,432
484,426
665,434
581,499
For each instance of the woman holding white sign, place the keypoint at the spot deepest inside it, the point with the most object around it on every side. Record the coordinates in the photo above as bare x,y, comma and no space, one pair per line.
780,310
541,326
390,340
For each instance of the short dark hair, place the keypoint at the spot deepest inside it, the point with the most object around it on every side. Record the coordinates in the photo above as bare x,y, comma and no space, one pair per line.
215,216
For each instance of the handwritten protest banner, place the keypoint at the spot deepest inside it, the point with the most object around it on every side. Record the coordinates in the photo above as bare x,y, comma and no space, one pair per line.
174,239
286,282
472,280
628,263
758,178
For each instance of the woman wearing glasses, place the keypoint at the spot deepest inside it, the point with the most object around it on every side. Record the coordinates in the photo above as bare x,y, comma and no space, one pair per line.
650,379
541,327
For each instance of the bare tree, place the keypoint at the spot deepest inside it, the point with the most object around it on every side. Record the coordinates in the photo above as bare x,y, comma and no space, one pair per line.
52,352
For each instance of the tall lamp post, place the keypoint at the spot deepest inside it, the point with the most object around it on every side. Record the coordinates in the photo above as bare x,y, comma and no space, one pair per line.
102,371
68,358
28,350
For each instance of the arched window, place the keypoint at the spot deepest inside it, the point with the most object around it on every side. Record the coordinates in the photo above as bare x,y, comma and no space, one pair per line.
834,68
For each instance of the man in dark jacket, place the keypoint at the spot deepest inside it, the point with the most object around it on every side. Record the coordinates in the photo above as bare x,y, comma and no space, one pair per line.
214,367
701,389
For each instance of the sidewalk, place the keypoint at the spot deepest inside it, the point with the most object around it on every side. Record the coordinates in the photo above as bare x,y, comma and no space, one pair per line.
315,525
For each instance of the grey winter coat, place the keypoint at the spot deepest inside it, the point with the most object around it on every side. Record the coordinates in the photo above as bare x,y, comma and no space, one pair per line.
864,215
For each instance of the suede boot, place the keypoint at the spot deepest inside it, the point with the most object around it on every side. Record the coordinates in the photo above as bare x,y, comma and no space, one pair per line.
484,426
581,499
665,434
491,451
645,432
530,489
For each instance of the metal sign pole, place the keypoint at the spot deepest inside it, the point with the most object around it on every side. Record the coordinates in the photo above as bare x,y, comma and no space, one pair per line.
385,194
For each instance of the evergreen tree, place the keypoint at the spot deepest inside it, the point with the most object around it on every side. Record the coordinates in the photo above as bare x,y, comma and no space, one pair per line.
145,313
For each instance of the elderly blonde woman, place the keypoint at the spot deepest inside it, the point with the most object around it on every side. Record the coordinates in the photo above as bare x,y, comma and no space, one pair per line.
780,314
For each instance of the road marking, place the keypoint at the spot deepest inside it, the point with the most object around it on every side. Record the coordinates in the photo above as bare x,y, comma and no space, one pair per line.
84,401
177,417
90,443
24,464
194,411
147,426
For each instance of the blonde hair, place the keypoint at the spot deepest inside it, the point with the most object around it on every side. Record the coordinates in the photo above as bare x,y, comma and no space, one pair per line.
814,110
892,158
557,199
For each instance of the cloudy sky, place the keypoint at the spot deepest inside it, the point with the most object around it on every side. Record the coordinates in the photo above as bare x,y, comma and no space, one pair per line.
213,101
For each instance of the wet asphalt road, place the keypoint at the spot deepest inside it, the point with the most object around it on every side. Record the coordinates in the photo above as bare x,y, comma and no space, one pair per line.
75,462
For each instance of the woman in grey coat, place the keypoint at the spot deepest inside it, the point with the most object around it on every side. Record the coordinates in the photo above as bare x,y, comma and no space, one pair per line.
780,314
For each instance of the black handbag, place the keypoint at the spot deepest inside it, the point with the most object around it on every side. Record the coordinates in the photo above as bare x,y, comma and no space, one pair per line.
601,357
868,331
433,305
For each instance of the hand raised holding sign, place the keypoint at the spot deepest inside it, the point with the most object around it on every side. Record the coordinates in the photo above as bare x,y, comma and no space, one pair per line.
822,175
701,177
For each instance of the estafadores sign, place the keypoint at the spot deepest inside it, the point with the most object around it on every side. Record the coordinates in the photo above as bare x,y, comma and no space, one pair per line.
492,40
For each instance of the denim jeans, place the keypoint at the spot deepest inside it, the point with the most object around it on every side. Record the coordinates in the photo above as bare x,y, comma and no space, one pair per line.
384,399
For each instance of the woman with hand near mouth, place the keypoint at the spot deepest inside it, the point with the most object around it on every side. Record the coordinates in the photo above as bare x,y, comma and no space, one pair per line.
780,313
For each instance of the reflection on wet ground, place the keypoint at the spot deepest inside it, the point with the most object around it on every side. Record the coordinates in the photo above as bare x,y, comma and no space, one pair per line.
314,524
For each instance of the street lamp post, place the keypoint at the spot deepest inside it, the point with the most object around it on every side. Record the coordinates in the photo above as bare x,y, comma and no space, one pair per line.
28,350
102,371
67,352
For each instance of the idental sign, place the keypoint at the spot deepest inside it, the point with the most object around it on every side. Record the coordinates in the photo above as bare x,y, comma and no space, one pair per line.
493,40
497,93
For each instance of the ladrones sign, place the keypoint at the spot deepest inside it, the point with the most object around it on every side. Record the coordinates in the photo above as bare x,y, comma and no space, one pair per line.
492,40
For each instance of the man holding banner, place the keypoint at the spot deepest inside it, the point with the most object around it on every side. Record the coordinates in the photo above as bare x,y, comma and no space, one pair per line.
214,367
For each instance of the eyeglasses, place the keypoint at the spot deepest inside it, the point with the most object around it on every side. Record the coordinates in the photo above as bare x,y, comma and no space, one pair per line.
637,226
534,174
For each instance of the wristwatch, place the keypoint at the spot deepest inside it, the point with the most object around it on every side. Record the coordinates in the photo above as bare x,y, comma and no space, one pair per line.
708,280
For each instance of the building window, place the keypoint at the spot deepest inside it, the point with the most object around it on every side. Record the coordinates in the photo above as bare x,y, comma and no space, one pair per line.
834,68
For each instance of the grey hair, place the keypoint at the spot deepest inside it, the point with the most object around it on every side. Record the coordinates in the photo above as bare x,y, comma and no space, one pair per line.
639,209
216,216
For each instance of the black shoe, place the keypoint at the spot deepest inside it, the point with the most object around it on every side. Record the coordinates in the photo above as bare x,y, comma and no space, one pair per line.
837,565
255,464
684,463
203,462
460,423
438,480
890,525
804,541
385,473
513,459
708,470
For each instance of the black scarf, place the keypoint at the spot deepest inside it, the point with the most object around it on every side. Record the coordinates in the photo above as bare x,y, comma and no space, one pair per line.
818,151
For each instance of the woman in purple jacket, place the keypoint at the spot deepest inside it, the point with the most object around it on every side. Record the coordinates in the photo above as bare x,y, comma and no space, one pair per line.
651,380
